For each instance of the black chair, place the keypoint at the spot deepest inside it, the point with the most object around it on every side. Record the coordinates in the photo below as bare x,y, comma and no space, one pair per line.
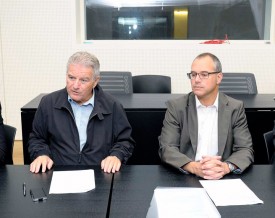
116,82
238,83
268,138
151,84
10,132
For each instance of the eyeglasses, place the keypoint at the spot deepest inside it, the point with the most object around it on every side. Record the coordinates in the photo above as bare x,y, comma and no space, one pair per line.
202,75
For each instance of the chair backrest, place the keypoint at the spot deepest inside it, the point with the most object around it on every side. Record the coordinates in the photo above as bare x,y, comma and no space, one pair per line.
238,83
151,84
268,138
10,132
116,82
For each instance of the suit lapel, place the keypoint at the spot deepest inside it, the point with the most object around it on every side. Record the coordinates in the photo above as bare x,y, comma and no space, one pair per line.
223,123
192,121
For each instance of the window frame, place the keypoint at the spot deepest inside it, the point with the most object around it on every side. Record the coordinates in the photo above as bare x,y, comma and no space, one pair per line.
80,29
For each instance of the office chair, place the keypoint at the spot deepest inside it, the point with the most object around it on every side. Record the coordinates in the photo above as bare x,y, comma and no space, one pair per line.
268,138
238,83
10,132
151,84
116,82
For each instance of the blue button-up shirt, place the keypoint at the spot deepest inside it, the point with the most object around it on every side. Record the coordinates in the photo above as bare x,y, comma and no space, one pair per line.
82,114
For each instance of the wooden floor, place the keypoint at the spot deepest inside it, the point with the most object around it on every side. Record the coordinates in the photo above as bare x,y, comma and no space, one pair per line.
18,153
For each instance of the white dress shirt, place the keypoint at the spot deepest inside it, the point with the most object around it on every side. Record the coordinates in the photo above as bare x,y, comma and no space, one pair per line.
207,129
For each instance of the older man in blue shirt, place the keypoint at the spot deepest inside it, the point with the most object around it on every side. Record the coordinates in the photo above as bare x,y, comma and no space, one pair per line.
81,124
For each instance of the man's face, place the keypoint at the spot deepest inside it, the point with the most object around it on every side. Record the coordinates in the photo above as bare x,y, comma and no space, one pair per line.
205,87
80,83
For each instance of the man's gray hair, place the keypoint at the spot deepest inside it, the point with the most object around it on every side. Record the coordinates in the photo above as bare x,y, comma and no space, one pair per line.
217,63
85,59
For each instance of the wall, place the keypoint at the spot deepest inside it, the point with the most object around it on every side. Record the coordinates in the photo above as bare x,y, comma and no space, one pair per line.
37,37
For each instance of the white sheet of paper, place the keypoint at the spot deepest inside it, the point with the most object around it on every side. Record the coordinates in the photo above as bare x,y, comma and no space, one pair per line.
75,181
227,192
181,202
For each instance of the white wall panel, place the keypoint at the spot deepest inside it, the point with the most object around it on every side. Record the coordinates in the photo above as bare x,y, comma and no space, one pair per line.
38,37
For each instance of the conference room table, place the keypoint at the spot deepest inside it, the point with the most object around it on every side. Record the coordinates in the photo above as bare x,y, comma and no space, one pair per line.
146,112
125,194
134,186
14,204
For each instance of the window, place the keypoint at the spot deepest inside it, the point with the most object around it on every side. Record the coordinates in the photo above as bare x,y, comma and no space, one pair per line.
178,19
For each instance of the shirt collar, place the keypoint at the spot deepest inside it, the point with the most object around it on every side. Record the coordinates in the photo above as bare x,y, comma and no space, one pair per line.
200,105
91,101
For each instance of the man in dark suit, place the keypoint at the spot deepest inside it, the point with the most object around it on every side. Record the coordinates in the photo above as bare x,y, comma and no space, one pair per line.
3,146
205,132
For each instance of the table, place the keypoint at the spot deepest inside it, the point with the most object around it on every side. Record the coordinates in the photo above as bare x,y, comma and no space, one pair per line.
146,112
127,193
13,204
133,189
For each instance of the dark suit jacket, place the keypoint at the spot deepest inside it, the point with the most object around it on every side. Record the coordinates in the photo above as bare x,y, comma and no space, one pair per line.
179,136
2,140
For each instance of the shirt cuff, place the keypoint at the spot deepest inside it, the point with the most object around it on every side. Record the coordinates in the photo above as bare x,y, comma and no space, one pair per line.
183,171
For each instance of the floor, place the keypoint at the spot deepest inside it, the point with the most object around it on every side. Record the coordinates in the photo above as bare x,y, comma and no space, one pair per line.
18,153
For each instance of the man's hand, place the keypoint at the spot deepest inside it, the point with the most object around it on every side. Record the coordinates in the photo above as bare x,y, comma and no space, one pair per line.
209,167
110,164
42,161
194,168
213,167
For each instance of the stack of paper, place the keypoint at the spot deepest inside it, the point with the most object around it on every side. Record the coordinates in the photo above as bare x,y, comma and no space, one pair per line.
181,202
76,181
227,192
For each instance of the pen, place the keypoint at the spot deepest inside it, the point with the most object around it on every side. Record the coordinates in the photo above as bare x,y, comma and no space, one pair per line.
24,189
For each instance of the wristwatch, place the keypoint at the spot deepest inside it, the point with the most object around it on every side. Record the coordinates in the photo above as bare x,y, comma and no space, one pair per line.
231,166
